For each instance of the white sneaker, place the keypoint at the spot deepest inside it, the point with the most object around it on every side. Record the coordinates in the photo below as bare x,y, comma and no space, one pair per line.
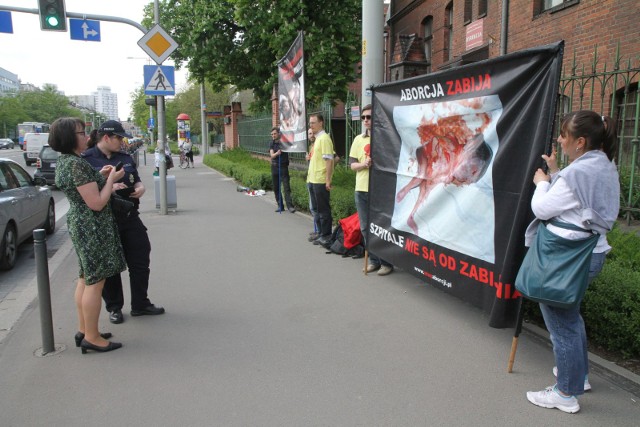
587,385
550,398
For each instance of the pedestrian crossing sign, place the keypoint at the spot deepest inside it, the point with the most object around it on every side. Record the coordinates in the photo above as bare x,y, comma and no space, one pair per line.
159,80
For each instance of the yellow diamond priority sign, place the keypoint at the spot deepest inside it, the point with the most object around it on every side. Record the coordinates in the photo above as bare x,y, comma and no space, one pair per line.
158,44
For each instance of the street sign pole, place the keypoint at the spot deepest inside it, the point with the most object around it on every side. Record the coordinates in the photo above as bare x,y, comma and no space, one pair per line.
162,134
204,131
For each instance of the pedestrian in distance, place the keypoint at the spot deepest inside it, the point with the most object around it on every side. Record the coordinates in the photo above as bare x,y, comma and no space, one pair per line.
92,227
320,172
585,194
280,171
105,150
360,162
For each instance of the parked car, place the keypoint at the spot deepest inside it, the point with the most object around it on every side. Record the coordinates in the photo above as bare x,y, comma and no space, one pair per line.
26,204
6,143
33,143
46,164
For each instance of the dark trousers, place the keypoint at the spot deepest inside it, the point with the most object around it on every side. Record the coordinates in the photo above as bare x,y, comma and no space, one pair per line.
137,250
322,200
362,206
281,178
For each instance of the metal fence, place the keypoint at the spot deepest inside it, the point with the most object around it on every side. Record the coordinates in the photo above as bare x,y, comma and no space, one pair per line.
609,88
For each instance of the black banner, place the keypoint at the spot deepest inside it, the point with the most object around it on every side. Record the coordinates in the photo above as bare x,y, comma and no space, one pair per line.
453,156
291,97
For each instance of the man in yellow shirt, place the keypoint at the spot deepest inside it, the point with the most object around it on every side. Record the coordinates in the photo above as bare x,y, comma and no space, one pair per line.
319,178
360,161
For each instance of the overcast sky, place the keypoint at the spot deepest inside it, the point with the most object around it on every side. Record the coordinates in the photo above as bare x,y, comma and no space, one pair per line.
79,67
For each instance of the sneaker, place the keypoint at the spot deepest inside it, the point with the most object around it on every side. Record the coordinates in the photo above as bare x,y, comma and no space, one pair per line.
587,386
385,270
551,398
372,267
313,236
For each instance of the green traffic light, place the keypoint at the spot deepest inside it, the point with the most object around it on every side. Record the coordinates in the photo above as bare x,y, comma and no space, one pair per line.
53,21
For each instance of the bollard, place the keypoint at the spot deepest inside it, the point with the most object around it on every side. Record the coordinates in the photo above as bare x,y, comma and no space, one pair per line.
44,291
144,154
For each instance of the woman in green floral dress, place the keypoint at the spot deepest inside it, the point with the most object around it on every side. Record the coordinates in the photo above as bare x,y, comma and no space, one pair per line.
91,225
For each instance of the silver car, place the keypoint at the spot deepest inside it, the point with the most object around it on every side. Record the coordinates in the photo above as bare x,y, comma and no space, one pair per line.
25,205
6,143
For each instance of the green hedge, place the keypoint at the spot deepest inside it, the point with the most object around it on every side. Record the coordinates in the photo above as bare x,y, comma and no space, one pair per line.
256,174
611,307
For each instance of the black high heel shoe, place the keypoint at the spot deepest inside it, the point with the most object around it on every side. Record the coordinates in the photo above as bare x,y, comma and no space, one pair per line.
80,336
86,345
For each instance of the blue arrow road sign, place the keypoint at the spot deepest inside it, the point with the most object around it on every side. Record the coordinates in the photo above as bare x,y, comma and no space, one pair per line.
6,26
82,29
159,80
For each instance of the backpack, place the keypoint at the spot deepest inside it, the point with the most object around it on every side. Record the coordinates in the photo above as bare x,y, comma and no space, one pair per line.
346,239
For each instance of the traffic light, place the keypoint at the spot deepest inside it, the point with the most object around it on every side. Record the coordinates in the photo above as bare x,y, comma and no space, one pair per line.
53,16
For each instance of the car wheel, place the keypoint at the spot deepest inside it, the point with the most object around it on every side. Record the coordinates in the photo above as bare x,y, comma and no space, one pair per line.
50,222
8,248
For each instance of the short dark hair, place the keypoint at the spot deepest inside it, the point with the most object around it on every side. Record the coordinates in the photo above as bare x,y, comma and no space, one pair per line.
276,128
62,134
318,116
367,107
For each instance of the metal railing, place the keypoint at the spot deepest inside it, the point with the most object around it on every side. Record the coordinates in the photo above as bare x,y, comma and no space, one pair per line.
609,89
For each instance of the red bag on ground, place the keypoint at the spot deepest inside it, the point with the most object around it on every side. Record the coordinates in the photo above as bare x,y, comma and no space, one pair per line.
351,230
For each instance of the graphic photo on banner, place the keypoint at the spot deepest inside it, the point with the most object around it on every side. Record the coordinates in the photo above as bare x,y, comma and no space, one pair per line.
291,99
453,156
444,191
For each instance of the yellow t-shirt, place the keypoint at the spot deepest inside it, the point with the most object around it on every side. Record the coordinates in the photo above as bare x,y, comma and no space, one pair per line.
317,165
358,152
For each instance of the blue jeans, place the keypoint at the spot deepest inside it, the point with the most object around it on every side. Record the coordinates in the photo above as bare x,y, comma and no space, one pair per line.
569,339
362,206
313,209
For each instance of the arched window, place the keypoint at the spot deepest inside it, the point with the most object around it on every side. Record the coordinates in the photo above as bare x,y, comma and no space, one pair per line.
448,32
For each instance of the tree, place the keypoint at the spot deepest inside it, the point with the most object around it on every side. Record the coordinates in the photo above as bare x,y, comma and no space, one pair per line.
240,41
44,106
47,105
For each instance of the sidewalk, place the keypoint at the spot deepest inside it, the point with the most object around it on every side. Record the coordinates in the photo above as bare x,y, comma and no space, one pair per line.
264,329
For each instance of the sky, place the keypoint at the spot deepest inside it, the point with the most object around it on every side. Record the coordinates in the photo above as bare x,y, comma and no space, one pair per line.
79,67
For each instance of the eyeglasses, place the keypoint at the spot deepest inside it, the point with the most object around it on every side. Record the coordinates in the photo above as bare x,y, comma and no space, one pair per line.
366,117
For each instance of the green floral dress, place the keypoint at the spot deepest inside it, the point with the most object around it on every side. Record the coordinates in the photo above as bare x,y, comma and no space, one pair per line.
94,234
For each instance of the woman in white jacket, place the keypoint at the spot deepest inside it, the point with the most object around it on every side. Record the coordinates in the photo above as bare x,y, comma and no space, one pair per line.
586,194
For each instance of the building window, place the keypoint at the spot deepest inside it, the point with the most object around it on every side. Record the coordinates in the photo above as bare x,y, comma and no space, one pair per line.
555,5
482,8
448,32
468,11
627,123
427,28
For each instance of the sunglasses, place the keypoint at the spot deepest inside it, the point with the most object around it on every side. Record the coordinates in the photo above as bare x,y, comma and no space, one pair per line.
366,117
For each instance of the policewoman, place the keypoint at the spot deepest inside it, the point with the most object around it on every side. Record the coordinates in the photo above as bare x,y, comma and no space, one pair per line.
105,148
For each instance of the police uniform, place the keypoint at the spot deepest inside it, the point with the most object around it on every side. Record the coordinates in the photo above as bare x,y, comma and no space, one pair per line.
133,235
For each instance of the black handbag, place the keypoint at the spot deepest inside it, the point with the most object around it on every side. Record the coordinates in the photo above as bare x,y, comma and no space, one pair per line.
555,270
120,206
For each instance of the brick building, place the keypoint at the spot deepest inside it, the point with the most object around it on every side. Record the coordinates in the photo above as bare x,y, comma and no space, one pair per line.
601,66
